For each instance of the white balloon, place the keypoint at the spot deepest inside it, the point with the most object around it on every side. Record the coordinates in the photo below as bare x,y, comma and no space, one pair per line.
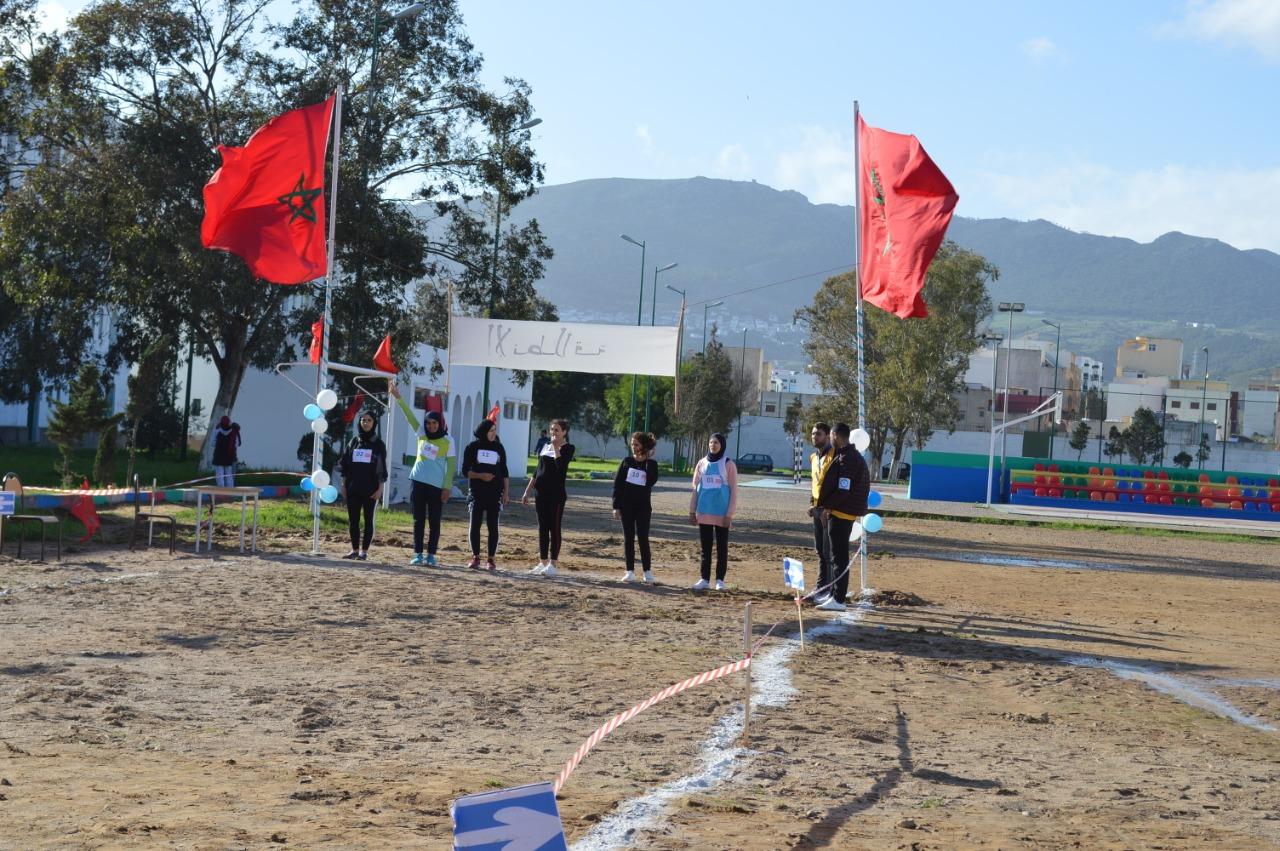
326,399
856,532
320,479
319,425
861,440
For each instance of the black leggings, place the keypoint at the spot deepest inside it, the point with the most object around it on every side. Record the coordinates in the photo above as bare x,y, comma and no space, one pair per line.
706,531
550,511
838,530
635,524
357,503
823,547
426,507
489,513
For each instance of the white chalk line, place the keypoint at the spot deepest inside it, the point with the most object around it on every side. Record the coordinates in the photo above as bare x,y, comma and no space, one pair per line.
72,583
718,756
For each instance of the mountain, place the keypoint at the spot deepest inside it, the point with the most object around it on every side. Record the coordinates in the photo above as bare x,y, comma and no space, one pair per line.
734,239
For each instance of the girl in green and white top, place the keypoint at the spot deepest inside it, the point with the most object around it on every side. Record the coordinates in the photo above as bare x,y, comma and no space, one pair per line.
431,477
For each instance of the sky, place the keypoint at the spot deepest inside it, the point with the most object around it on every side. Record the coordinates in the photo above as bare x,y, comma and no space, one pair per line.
1123,119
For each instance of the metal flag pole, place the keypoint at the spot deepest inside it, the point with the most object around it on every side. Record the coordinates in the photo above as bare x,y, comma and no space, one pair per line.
857,276
322,372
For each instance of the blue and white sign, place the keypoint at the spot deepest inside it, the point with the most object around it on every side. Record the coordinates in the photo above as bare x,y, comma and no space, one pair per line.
8,502
793,574
524,818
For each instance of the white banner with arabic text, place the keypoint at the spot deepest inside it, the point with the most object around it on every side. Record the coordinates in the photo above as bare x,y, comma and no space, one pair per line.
563,346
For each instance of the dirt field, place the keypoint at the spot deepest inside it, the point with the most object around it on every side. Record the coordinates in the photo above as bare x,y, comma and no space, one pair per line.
254,702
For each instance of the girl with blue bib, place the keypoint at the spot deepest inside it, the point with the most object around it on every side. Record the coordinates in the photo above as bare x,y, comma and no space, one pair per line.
431,477
711,507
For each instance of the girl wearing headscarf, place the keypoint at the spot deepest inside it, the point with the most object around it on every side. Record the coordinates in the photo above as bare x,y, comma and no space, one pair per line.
549,482
711,507
431,477
226,437
364,470
632,487
484,463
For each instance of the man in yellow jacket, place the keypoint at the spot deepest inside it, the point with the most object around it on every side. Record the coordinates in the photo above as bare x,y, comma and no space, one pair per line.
820,437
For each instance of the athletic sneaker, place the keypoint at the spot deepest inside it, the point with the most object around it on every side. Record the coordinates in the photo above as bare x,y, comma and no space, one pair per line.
821,598
431,561
474,564
629,576
538,568
549,570
831,604
648,578
363,556
417,560
352,555
491,565
720,586
701,585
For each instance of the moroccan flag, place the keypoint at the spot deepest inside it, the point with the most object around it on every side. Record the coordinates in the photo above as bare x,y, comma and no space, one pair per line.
349,415
266,202
317,339
382,358
433,402
906,206
494,413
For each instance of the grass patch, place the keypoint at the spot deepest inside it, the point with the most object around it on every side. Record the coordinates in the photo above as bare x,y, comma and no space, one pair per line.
1080,526
289,516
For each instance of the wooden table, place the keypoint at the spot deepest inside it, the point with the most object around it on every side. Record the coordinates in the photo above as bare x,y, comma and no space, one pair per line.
244,495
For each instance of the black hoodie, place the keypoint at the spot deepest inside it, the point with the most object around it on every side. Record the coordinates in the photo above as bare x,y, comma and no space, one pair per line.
485,456
364,464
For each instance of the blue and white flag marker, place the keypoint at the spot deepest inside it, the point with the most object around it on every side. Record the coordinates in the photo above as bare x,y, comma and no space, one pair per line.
523,818
793,576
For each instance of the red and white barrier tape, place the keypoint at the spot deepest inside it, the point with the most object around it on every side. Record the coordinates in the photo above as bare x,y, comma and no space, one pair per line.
623,717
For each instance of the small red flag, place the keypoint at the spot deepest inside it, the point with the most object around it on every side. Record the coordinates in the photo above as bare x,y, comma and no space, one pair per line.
433,402
349,415
494,413
266,202
907,204
82,509
382,358
317,339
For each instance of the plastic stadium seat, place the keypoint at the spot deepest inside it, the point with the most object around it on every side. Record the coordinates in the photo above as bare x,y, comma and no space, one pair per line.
1233,492
1041,480
1039,468
1162,475
1056,493
1165,499
1109,497
1204,477
1251,506
1153,499
1273,483
1236,505
1206,503
1042,492
1148,474
1053,468
1231,480
1094,471
1095,495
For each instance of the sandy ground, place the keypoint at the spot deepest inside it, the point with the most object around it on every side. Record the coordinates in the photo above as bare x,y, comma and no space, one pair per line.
259,701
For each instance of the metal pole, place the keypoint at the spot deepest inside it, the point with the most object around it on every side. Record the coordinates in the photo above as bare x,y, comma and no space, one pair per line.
186,408
1204,392
648,379
639,313
857,277
1004,418
497,236
1053,427
705,309
743,373
746,651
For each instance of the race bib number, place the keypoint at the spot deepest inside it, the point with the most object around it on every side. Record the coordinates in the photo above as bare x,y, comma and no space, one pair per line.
486,456
549,451
430,451
362,456
843,484
712,482
636,476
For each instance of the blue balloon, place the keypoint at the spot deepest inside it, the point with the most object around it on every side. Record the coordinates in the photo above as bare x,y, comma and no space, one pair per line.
307,485
872,523
328,494
874,499
312,412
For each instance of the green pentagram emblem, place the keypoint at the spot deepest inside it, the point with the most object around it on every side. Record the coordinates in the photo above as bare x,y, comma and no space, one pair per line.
301,201
879,199
875,181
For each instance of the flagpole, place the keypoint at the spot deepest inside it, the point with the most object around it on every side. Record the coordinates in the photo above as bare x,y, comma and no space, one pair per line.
322,373
857,275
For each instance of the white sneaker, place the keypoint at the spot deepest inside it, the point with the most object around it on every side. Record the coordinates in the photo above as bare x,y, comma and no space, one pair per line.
629,576
701,585
549,570
824,597
720,586
648,578
831,604
539,568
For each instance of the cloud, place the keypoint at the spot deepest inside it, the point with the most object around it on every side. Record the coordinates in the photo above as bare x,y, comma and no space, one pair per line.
733,161
646,138
1251,23
1236,206
1039,49
819,165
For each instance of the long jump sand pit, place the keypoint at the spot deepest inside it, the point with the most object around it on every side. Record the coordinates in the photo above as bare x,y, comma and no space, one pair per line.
1058,688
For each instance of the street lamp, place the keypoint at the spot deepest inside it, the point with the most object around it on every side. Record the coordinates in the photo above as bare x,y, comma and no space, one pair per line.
992,337
639,313
1204,392
1056,348
497,233
679,360
1224,442
653,313
1009,307
705,308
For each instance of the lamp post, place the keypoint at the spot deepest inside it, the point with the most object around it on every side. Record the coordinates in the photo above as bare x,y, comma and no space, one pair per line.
497,233
1009,307
675,462
992,337
705,308
653,313
1057,346
639,313
743,373
1224,442
1204,392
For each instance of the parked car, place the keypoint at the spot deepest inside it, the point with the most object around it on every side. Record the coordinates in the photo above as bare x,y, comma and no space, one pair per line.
904,471
755,462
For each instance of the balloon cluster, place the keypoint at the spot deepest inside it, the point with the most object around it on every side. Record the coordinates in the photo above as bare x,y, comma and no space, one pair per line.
872,522
326,399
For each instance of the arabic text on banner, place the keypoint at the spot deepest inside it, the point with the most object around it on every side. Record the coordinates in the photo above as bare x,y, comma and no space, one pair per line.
563,346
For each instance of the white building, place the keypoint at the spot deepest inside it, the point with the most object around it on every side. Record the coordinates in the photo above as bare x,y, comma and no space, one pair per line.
1124,398
1090,372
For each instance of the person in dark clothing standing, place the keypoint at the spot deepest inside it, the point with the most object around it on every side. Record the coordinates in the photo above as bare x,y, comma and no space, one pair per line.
820,437
549,484
842,499
364,470
226,437
543,440
632,488
484,464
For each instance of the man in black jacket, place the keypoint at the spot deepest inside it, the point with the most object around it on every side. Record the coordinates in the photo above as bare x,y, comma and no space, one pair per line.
842,499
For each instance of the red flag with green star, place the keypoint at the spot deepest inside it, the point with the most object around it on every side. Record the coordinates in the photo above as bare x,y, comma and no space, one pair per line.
266,202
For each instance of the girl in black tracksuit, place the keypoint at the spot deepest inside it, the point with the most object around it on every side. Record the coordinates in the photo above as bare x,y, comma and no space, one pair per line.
549,483
484,464
364,470
632,487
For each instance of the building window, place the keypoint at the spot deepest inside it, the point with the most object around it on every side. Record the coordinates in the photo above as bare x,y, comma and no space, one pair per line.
981,414
509,410
1211,406
1195,406
1151,347
770,408
1175,404
523,411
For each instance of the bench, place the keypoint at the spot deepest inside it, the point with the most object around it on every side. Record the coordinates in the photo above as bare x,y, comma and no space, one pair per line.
13,485
149,519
